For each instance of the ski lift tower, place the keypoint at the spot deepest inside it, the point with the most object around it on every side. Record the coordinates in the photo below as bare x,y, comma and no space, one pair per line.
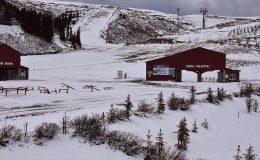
204,12
178,20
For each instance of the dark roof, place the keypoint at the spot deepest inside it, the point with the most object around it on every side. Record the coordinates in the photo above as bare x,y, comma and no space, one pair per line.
6,48
194,50
232,69
24,67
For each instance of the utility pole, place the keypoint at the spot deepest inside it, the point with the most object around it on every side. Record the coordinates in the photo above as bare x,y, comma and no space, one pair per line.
204,12
178,20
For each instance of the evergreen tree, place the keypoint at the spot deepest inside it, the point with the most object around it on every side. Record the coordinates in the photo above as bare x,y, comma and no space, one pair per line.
183,104
128,106
249,90
160,103
238,156
183,135
249,155
173,102
249,104
256,106
192,96
220,94
194,127
210,97
148,146
159,143
111,117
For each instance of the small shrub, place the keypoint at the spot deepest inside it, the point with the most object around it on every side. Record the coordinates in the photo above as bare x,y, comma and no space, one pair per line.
9,134
235,94
90,127
210,97
246,91
145,107
184,104
221,96
116,114
168,154
173,102
46,131
205,124
125,142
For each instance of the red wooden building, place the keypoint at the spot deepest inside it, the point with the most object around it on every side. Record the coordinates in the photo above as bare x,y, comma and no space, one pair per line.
10,64
198,60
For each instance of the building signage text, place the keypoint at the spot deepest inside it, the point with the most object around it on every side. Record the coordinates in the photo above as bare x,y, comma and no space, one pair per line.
198,66
6,63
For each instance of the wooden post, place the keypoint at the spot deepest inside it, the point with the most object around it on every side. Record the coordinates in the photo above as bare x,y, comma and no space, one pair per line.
25,129
64,124
199,76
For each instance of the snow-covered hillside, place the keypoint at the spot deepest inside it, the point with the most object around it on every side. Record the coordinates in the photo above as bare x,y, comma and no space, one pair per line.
134,26
15,37
97,64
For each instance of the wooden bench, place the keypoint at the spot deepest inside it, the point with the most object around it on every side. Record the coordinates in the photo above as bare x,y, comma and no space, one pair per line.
25,89
91,87
65,89
108,88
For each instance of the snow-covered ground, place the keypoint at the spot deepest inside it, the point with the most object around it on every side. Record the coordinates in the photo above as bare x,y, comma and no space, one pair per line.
97,64
100,69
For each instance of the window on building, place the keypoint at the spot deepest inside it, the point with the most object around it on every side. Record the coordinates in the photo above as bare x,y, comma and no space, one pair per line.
232,77
226,76
161,70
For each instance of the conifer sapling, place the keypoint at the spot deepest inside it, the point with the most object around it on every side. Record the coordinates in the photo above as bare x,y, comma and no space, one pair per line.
183,135
249,155
160,103
194,127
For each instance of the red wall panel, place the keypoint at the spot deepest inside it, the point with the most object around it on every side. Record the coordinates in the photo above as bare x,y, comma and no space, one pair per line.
9,57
